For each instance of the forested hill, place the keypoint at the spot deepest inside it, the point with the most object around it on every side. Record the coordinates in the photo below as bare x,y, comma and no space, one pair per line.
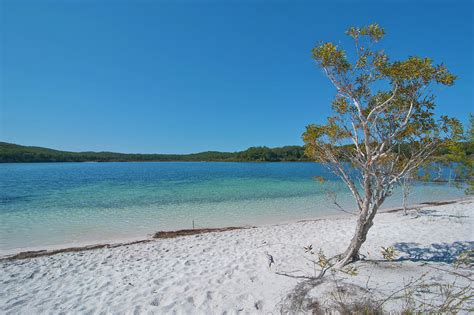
13,153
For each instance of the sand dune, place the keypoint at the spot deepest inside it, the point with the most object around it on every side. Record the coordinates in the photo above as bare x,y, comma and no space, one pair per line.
229,272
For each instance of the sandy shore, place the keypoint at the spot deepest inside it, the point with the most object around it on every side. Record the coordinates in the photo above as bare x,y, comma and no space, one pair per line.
229,272
45,250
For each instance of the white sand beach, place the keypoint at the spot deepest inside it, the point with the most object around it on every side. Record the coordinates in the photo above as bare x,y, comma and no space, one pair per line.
228,272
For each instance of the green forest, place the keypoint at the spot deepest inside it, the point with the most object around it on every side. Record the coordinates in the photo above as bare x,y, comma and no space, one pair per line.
13,153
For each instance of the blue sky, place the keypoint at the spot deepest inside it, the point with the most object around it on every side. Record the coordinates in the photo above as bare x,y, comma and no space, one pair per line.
189,76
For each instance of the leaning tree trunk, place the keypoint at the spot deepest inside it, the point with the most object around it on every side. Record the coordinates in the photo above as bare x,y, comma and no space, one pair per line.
364,223
360,235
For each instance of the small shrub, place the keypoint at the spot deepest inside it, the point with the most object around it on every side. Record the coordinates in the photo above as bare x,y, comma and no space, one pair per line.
351,271
389,253
465,259
323,262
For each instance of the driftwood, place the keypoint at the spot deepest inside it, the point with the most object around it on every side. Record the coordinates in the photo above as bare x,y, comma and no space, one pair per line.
172,234
40,253
157,235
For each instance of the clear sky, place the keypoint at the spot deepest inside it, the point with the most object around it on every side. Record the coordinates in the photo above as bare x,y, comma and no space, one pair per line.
189,76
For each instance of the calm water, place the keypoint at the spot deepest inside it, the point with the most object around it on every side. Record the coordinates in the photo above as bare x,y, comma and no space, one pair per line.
55,204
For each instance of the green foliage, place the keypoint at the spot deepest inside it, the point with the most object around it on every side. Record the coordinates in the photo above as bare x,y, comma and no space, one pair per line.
389,253
357,96
418,70
323,261
468,160
328,55
12,153
465,259
457,155
265,154
351,270
373,31
391,129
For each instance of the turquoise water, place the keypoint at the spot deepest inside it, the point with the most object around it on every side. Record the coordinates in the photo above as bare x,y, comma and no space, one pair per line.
55,204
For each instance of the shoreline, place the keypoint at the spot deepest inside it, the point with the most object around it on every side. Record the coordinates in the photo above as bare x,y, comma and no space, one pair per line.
254,270
32,252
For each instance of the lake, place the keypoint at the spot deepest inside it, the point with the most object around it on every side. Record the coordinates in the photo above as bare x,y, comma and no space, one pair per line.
66,204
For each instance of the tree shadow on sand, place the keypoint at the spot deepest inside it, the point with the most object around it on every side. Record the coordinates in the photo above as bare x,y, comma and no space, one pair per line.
436,252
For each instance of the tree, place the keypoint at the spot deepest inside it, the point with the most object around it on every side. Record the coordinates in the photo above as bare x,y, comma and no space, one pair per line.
406,182
458,157
468,161
385,110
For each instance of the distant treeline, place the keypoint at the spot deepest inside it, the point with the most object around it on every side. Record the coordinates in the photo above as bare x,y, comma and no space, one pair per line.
13,153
